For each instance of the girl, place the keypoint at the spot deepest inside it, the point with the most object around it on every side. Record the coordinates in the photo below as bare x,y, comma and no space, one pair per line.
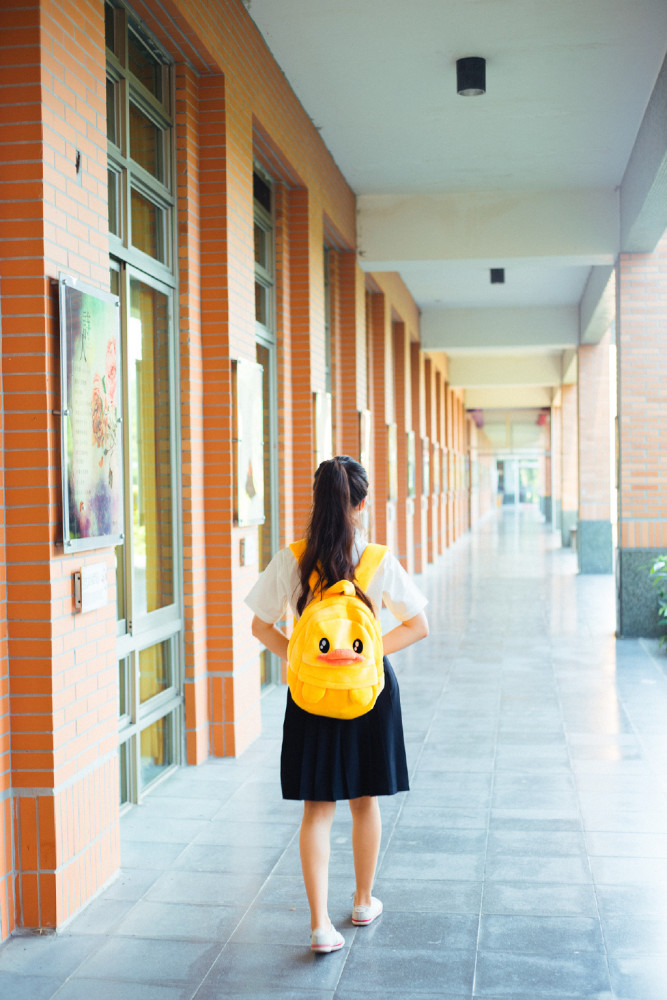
323,759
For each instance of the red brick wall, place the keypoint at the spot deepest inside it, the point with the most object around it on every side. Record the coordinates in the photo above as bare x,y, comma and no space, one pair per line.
62,668
642,378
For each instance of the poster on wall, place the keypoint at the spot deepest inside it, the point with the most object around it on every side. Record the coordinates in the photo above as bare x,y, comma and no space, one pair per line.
248,405
323,427
91,428
392,461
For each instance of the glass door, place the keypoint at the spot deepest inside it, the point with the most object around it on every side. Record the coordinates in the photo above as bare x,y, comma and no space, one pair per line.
269,531
265,338
148,566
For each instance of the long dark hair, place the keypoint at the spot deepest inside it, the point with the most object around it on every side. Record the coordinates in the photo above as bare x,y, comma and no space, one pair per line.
339,487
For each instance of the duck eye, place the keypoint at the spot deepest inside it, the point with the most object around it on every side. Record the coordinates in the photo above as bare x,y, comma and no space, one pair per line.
324,645
357,645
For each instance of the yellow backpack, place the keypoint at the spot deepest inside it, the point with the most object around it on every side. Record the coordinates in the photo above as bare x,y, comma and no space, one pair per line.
334,655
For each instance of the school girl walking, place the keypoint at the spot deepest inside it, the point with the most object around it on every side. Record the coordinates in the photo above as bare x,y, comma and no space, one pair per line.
324,759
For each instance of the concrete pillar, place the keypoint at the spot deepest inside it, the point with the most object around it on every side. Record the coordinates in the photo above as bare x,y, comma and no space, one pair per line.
642,450
594,534
569,463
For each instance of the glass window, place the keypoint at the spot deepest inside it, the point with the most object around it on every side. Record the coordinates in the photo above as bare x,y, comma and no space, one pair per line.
113,181
146,143
144,65
261,304
262,247
150,449
261,192
156,750
124,761
147,226
112,117
109,27
155,671
123,687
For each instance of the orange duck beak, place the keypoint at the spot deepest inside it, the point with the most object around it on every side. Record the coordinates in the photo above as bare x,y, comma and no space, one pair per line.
340,657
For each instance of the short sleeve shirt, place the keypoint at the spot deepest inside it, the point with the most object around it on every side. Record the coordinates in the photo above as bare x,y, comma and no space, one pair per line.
279,587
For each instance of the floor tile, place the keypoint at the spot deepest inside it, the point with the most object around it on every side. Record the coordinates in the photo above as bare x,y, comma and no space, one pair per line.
632,935
508,974
639,977
393,972
162,963
247,967
540,935
540,899
181,921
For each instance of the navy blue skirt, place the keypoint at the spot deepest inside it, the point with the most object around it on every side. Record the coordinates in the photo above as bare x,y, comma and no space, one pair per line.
324,760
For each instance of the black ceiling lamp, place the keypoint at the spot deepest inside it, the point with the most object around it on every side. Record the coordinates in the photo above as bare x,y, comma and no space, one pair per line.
471,76
497,275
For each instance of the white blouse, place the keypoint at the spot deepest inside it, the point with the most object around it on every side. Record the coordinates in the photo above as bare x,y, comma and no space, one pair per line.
279,586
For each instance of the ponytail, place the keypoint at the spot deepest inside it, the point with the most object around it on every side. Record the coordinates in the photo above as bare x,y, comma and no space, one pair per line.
339,487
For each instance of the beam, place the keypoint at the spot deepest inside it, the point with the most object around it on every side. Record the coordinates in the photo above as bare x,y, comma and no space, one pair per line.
644,186
548,328
475,371
569,227
508,398
597,309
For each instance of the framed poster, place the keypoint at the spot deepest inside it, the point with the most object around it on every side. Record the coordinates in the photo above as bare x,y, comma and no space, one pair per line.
91,427
426,467
392,461
412,464
249,424
323,427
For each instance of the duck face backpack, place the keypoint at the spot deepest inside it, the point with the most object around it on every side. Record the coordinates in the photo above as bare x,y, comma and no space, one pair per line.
334,656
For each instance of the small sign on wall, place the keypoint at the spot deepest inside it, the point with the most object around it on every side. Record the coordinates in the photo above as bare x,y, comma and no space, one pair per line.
90,588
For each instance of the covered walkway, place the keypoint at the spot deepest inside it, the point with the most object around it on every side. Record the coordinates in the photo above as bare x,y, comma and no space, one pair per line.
529,861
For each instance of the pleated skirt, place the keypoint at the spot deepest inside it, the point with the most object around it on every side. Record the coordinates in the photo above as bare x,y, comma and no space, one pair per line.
325,760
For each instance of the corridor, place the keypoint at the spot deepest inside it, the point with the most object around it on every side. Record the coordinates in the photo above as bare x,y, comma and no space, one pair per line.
529,860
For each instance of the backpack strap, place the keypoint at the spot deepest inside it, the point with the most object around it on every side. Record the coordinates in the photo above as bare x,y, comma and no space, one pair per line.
369,564
298,549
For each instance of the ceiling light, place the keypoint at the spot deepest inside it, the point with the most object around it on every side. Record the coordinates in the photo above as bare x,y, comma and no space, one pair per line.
497,275
471,76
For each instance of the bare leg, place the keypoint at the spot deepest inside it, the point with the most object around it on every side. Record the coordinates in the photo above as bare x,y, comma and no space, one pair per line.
315,849
366,837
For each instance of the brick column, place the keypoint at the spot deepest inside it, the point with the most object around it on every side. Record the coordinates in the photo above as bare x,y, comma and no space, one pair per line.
569,463
404,505
594,534
642,460
379,486
351,369
420,504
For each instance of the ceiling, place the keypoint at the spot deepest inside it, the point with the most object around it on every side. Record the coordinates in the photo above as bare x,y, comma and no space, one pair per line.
529,177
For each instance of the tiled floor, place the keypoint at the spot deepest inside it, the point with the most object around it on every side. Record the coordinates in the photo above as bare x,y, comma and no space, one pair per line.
529,861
